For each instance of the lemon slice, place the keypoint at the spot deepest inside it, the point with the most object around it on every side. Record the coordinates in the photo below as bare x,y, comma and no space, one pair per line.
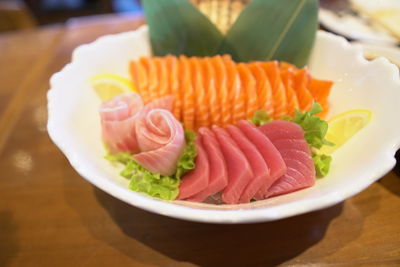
343,126
109,85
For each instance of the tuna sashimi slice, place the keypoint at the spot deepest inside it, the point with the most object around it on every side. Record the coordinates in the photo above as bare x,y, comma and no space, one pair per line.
118,121
257,163
196,180
280,129
296,154
239,169
218,178
271,155
163,143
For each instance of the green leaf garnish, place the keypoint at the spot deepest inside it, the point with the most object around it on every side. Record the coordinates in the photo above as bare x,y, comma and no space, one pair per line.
314,127
177,27
322,164
260,117
154,184
273,30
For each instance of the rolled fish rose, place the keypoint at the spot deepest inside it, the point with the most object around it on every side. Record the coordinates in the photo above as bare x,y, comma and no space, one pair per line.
160,137
118,120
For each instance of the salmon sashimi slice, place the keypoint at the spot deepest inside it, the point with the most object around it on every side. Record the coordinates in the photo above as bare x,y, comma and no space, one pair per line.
222,88
304,96
212,94
256,160
140,78
287,66
271,155
264,90
320,89
249,87
150,66
233,85
200,95
238,95
239,169
196,180
173,67
291,97
271,69
218,179
187,93
161,67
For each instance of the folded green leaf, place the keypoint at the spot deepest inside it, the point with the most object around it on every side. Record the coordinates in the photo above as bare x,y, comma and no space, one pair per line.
260,117
154,184
322,164
314,127
273,30
177,27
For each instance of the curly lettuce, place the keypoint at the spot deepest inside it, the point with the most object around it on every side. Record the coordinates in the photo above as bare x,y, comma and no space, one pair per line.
155,184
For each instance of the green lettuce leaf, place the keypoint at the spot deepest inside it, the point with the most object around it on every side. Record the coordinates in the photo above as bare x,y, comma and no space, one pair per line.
314,127
260,117
155,184
322,164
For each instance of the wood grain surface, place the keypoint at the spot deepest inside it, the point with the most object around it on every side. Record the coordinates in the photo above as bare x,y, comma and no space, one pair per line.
50,216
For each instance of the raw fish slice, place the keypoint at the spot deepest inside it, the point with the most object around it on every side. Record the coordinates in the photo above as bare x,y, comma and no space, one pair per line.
118,120
162,76
187,93
150,67
196,180
167,142
222,88
287,66
271,69
291,97
294,154
234,91
264,90
281,129
298,144
239,170
201,110
249,88
218,179
165,102
212,94
258,166
271,155
320,89
140,79
173,70
304,96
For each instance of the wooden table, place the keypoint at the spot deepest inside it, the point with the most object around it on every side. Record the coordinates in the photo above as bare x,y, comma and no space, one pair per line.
50,216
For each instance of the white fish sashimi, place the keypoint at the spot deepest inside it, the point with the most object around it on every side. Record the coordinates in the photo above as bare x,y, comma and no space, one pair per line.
118,119
161,139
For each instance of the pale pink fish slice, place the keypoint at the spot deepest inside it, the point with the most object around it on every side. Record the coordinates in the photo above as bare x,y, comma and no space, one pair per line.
166,144
118,120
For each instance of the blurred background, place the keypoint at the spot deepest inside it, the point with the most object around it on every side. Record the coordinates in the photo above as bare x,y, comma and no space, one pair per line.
23,14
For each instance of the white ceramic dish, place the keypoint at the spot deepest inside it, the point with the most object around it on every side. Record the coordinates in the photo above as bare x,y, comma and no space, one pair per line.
74,127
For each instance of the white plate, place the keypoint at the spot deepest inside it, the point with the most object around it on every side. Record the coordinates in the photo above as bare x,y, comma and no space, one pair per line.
354,27
74,127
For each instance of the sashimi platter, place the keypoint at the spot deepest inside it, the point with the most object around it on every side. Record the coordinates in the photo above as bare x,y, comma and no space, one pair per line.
250,125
